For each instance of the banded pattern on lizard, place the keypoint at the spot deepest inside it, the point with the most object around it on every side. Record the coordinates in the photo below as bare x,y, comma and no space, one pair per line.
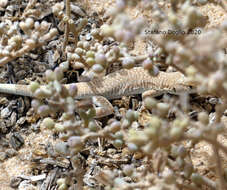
120,83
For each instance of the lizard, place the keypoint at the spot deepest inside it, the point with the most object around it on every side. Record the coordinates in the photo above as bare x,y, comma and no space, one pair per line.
120,83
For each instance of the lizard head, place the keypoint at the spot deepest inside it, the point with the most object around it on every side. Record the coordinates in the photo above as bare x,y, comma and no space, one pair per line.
177,83
185,84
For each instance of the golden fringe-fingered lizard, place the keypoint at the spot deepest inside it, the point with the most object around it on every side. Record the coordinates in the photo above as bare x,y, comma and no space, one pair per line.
120,83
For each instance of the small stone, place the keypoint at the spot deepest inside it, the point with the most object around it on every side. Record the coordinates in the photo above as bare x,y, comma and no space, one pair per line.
26,185
15,182
5,112
16,140
3,156
11,152
21,121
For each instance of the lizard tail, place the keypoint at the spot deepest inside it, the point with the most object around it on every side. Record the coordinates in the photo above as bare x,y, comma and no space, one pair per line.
17,89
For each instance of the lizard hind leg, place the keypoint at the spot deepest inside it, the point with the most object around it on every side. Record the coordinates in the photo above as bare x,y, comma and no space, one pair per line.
102,106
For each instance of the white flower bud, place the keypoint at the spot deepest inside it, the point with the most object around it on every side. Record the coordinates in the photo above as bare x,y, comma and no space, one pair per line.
37,25
3,3
44,26
23,26
31,43
29,22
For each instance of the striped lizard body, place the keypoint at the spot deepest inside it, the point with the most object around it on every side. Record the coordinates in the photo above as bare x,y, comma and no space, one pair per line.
117,84
120,83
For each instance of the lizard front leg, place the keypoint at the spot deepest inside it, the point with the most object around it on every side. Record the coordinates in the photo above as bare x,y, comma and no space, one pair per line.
104,106
151,93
